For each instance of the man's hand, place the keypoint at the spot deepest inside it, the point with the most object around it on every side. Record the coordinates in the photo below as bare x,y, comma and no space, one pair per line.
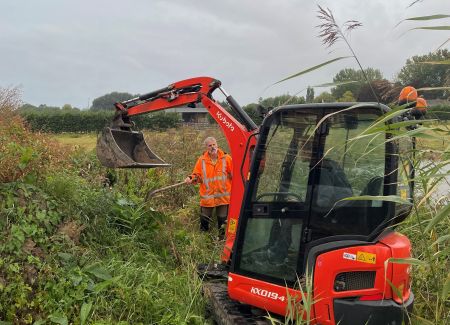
188,180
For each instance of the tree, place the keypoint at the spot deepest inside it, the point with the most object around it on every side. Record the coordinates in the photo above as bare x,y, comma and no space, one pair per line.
27,107
106,102
281,100
347,97
252,109
310,94
385,91
418,74
353,75
44,107
324,97
9,100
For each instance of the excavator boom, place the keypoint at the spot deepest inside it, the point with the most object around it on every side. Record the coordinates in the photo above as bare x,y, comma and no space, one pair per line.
121,147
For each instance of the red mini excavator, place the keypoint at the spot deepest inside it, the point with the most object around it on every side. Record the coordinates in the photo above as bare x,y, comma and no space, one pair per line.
309,200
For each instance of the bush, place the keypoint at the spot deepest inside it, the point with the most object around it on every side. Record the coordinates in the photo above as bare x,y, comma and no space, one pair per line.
26,155
58,121
441,112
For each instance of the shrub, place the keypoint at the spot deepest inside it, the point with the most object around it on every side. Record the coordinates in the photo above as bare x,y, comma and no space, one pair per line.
25,155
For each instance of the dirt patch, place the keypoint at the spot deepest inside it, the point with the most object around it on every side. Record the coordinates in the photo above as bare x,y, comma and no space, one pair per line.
30,247
72,230
30,274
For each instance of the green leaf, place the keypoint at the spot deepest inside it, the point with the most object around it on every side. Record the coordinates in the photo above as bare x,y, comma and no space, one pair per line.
383,118
406,260
432,28
30,178
446,289
335,84
441,239
388,198
76,279
423,18
395,289
65,256
58,318
445,211
5,323
312,68
433,88
440,46
397,125
99,271
422,320
432,17
104,284
84,312
38,322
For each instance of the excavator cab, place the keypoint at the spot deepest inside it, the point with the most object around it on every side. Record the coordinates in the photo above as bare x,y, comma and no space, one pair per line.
311,205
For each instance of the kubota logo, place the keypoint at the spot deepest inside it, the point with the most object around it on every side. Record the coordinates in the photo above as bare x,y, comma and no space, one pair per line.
223,119
266,294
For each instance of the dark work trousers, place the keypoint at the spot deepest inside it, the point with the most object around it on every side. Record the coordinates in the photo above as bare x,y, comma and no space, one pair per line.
206,216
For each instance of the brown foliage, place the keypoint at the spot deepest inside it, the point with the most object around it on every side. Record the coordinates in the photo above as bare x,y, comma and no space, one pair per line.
385,91
72,230
330,32
23,152
9,101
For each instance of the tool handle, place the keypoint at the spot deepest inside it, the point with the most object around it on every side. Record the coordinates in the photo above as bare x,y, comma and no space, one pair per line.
150,194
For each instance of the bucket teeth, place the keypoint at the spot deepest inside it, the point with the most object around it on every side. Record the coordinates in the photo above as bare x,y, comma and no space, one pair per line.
126,149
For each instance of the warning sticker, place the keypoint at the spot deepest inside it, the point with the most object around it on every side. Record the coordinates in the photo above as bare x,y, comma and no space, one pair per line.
349,256
232,226
366,257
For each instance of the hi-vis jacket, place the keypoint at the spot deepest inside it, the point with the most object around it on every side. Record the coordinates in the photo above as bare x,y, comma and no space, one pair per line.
214,179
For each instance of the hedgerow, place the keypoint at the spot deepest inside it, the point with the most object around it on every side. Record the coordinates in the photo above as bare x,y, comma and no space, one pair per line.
58,121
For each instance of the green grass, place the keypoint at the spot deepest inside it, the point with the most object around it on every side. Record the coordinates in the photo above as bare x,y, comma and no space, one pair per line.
82,140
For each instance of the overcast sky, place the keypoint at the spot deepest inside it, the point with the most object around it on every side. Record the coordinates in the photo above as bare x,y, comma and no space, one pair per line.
71,52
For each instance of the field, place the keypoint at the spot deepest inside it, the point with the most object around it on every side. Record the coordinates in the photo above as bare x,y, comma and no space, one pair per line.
85,141
88,141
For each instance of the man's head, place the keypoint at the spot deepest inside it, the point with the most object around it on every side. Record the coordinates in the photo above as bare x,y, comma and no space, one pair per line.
407,95
211,146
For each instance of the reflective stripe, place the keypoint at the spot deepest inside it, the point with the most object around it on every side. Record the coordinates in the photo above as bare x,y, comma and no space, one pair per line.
216,178
222,178
205,180
215,195
224,170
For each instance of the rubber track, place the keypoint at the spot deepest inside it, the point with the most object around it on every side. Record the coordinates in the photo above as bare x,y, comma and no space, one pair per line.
226,311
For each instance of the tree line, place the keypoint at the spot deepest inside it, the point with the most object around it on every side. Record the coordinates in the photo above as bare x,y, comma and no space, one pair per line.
59,121
351,86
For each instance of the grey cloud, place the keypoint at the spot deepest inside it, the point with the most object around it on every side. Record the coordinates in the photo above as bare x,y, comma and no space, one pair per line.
74,51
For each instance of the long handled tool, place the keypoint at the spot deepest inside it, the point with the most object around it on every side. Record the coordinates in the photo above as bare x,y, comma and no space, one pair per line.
152,193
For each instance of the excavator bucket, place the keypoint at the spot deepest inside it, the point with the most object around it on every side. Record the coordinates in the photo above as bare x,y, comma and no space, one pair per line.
126,149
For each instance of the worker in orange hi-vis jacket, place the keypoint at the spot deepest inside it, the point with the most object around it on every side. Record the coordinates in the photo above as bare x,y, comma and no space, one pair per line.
213,171
409,97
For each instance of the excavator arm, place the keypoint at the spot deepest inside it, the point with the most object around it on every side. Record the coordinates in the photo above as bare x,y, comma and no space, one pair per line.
121,147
